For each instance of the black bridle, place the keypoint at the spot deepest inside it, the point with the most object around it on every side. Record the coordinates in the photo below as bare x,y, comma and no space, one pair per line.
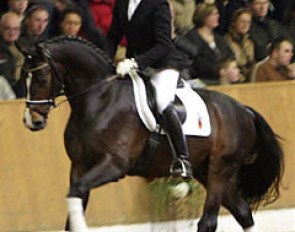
51,100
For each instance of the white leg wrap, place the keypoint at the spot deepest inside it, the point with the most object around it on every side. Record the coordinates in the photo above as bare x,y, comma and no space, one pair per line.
250,229
76,215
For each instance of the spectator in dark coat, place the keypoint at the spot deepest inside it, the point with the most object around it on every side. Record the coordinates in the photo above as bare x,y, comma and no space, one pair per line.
88,27
204,46
264,30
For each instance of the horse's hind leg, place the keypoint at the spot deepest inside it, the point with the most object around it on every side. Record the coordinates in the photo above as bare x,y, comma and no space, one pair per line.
218,177
208,221
239,208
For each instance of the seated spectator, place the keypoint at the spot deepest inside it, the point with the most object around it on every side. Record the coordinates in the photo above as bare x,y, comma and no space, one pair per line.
18,6
276,66
231,7
229,72
88,28
238,40
263,29
102,12
70,22
34,26
203,46
182,12
6,92
59,7
11,60
220,5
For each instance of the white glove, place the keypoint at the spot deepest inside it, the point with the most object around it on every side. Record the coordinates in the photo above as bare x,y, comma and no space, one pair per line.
125,66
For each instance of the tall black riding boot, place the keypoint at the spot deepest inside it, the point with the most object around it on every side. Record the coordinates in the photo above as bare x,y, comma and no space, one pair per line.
181,166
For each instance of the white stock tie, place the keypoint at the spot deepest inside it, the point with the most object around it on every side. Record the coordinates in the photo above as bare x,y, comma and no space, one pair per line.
133,4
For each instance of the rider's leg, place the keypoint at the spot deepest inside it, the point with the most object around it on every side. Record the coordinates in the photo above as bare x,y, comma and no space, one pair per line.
165,83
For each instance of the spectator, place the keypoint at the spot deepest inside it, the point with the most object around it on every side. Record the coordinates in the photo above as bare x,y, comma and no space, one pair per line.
182,12
18,6
276,66
59,7
34,26
231,7
203,46
264,30
229,72
6,92
70,22
102,12
221,29
11,59
238,40
88,28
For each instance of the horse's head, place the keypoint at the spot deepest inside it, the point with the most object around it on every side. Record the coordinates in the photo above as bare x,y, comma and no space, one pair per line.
38,79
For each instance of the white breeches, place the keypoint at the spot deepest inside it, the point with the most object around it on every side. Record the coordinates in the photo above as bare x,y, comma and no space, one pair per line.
165,83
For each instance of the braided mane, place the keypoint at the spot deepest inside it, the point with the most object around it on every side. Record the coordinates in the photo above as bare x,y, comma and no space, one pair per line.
75,39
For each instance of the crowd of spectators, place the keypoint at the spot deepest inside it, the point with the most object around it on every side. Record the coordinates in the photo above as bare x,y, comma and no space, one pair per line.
222,42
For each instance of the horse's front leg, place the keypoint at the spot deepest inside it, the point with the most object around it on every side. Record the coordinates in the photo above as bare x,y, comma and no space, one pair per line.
78,205
85,199
216,186
103,172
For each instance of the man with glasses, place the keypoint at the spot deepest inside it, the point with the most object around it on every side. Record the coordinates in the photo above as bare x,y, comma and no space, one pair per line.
11,59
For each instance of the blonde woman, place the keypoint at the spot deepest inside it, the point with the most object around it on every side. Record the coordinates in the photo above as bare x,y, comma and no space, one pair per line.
238,40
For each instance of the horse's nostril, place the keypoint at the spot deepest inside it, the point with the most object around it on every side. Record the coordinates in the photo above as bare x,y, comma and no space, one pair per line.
38,124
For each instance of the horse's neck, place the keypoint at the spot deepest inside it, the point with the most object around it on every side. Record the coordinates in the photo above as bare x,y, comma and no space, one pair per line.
112,97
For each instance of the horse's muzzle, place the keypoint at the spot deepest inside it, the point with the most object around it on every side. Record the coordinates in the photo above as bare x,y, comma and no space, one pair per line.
34,121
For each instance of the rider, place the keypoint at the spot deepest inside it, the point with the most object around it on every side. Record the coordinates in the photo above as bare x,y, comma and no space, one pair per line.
147,27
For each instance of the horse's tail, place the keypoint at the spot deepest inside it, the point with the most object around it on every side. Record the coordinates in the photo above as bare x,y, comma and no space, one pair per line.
259,181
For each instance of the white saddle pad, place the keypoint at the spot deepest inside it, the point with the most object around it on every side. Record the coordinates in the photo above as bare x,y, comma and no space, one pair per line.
197,120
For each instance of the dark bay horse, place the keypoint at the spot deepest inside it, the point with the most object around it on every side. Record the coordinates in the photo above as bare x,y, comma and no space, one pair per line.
240,163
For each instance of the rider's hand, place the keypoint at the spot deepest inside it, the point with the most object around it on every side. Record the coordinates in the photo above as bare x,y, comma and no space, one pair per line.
125,66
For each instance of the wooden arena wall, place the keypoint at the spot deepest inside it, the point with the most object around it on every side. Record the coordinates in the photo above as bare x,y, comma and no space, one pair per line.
34,169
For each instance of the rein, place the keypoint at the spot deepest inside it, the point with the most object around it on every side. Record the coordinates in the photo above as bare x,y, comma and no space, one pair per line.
91,88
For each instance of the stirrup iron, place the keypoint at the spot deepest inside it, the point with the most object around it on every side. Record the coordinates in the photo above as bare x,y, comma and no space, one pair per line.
181,171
